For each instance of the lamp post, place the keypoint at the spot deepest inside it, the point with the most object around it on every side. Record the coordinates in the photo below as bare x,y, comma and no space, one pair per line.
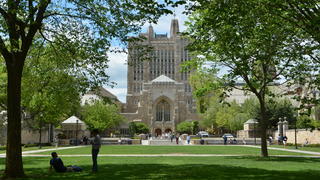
254,132
295,131
77,132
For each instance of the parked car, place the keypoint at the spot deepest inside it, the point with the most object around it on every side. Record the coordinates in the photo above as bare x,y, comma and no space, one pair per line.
228,135
203,134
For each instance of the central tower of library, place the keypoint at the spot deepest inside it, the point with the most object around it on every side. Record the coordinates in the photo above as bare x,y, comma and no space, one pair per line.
158,92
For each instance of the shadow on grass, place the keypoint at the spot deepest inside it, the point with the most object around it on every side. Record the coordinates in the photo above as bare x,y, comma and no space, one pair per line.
278,159
166,171
191,171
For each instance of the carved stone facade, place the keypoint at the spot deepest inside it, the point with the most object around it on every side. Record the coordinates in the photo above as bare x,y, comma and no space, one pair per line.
158,92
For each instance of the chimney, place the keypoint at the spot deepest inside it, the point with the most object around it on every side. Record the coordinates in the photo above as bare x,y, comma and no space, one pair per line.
174,28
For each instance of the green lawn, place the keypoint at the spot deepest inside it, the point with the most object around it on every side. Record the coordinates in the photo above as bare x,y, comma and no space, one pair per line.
314,149
138,149
178,168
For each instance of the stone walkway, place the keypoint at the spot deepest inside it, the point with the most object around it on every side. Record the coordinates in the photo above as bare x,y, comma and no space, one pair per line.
31,153
288,150
44,150
163,155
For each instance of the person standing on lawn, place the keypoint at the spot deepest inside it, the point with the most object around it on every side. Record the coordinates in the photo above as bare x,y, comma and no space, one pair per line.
96,144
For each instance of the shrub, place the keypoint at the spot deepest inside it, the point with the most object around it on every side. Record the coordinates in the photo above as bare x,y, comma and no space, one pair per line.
185,127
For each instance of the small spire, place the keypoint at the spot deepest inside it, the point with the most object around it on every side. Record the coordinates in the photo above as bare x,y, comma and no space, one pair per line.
174,13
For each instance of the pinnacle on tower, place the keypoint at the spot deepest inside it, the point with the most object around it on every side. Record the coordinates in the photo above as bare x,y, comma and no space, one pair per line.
174,29
150,32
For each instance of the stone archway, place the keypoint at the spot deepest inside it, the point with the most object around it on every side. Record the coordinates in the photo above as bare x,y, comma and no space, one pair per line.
168,130
158,132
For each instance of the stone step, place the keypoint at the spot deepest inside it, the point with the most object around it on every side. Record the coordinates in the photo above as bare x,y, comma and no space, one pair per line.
162,142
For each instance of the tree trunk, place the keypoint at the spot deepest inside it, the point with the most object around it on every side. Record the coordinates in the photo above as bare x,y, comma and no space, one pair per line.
263,128
14,165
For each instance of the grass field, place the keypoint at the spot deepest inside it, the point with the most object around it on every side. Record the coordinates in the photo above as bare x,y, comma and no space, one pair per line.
178,168
246,166
123,149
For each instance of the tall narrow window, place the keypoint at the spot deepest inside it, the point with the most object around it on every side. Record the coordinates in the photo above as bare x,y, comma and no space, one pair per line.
163,111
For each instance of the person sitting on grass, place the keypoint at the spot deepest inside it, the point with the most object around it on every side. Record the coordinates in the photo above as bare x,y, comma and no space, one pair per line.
57,164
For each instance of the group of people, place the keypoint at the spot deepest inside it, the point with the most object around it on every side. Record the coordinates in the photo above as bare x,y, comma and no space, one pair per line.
57,164
282,140
231,141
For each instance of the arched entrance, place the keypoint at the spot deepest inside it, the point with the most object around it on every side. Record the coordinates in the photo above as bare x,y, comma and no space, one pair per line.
158,132
163,111
168,130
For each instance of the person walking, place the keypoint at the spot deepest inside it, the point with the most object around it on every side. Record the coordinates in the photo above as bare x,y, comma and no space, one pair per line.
96,144
171,137
188,139
285,138
177,139
225,139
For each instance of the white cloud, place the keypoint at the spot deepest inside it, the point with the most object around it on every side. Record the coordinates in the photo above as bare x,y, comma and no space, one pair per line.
163,25
118,73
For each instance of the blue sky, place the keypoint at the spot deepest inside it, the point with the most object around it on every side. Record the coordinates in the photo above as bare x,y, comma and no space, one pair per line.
117,66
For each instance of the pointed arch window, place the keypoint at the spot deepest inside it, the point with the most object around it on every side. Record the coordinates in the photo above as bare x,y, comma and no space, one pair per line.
163,111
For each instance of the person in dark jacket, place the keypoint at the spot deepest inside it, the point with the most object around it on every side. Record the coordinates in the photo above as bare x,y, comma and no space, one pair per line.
57,164
96,144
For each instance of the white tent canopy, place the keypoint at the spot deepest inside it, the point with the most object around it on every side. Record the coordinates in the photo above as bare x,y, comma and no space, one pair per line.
73,120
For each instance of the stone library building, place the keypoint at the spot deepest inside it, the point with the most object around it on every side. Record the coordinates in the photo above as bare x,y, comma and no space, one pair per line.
158,92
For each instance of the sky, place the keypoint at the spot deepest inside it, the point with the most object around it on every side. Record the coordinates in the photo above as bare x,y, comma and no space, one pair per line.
117,65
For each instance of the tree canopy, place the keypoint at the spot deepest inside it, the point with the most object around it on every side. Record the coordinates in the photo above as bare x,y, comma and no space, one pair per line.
249,42
84,28
101,116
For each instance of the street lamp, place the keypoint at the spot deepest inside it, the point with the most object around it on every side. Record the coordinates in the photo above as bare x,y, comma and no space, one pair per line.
77,132
295,130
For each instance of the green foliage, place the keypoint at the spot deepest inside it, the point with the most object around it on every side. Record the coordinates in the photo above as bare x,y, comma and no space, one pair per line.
249,42
142,128
185,127
306,122
3,85
138,128
85,29
276,108
205,84
101,116
195,127
132,128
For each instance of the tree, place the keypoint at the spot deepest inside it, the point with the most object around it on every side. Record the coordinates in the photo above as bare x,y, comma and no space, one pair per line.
50,93
249,42
138,128
205,84
185,127
302,14
101,116
142,128
87,24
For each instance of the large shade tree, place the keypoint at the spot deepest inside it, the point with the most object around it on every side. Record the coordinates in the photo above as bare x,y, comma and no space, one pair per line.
303,15
249,42
50,91
90,25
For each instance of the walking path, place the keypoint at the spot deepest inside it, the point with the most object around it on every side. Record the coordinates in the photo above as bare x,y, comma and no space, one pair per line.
43,150
31,153
164,155
288,150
